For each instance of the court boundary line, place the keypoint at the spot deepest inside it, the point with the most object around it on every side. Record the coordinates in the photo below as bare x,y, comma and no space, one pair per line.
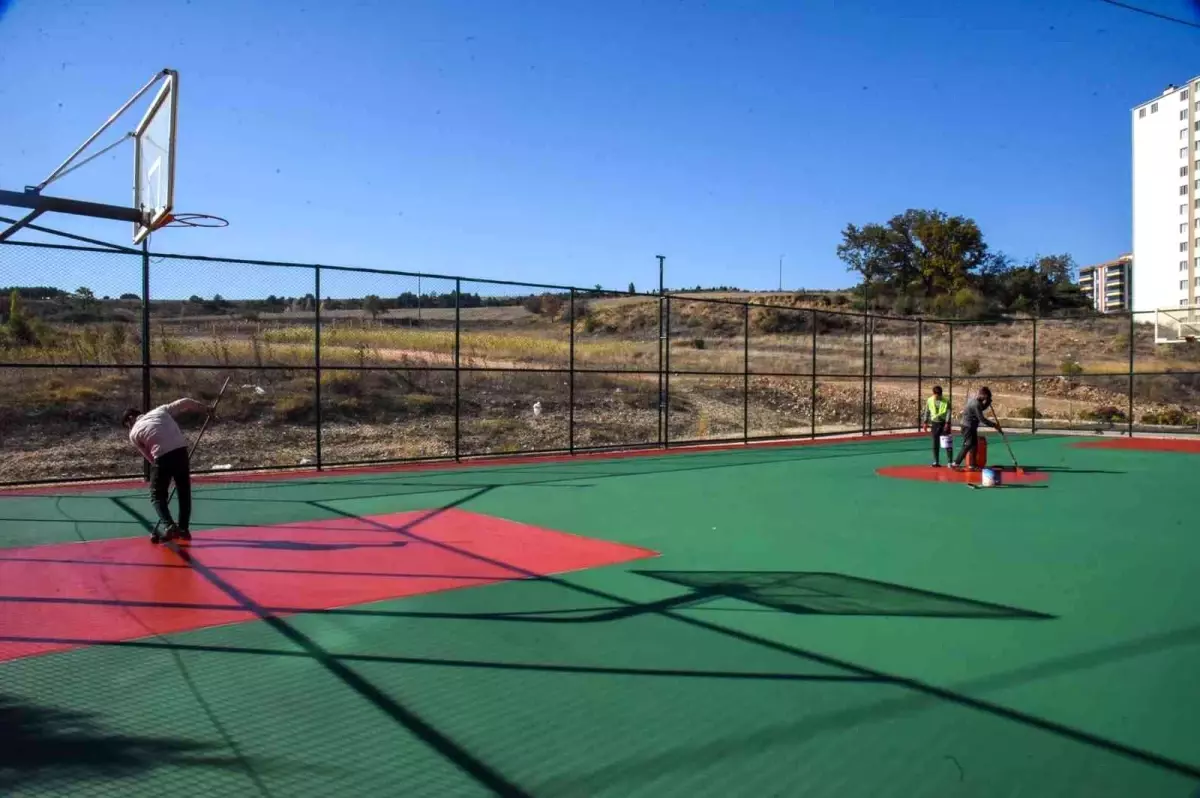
482,461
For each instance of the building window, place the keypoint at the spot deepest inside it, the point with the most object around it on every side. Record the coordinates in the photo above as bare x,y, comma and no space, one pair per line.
1183,285
1183,209
1183,190
1183,171
1141,113
1183,152
1154,108
1183,114
1183,265
1183,95
1183,246
1183,133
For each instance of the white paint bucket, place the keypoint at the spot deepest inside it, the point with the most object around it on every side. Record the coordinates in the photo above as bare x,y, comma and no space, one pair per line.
991,478
947,441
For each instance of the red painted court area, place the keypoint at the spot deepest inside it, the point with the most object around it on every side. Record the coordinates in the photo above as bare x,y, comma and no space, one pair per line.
927,473
70,595
1145,445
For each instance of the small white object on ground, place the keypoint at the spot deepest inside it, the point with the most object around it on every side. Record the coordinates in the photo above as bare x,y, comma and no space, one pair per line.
305,461
537,408
224,467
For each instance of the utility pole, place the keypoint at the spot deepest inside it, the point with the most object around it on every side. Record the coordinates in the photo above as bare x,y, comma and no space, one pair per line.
781,274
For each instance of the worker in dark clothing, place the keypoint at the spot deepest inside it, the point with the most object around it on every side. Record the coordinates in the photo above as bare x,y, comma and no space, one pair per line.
972,418
937,416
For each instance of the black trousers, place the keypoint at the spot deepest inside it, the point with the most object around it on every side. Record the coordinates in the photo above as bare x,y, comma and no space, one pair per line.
970,436
938,429
174,466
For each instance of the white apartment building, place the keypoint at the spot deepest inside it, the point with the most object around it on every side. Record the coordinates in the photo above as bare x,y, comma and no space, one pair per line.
1107,284
1166,199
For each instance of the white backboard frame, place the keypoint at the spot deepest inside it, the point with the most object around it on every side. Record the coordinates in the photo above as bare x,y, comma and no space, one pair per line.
1176,325
154,182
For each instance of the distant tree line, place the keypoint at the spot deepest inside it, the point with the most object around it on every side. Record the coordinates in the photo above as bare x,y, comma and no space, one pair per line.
925,261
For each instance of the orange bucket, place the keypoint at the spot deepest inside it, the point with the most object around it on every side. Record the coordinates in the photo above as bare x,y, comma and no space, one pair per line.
978,458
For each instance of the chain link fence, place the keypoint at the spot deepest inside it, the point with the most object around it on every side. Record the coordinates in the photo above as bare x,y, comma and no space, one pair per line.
333,366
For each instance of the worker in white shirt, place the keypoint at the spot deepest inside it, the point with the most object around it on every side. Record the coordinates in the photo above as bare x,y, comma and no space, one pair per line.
157,436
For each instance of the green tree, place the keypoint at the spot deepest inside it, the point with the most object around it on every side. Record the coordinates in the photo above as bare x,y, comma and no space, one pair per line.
373,305
927,251
632,289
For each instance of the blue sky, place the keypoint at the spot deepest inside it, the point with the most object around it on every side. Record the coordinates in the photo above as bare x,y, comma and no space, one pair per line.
570,141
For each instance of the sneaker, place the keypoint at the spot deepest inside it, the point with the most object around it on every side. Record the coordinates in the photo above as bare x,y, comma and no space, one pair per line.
172,532
184,534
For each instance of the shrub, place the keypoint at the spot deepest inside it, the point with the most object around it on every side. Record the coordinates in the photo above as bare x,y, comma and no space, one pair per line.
1170,418
969,366
697,343
1106,414
1028,412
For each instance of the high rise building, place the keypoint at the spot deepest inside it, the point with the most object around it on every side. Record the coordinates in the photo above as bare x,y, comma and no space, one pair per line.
1166,199
1107,284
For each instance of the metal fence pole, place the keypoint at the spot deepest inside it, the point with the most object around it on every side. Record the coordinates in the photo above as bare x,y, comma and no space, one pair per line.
920,371
146,357
1033,385
746,373
317,360
571,379
666,374
457,372
951,376
1132,333
871,376
863,429
812,404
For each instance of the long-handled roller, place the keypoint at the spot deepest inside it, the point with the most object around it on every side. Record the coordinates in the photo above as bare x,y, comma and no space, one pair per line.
1004,438
211,412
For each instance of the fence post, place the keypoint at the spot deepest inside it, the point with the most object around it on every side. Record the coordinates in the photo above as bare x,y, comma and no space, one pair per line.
571,379
812,404
317,361
146,364
666,375
863,429
746,373
920,371
457,373
1033,386
951,325
871,376
1132,332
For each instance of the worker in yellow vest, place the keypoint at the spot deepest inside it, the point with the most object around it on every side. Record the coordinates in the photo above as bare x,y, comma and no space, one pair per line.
937,416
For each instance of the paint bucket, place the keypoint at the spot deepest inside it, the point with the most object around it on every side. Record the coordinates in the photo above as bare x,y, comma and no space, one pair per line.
947,441
991,478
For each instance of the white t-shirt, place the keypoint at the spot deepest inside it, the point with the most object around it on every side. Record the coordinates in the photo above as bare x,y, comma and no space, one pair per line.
155,433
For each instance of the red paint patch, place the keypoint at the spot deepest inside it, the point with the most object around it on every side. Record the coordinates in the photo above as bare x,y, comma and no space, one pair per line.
69,595
926,473
1145,445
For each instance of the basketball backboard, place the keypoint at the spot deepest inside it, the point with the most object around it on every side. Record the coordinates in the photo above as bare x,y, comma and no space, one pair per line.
1176,325
154,159
153,204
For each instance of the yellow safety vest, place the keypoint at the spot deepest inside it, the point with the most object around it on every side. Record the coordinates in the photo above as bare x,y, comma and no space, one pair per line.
938,410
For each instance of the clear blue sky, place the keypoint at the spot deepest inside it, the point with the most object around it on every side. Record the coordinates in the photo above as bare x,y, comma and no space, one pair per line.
569,142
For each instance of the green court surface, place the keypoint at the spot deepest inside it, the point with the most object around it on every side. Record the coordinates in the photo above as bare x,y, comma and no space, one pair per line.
807,628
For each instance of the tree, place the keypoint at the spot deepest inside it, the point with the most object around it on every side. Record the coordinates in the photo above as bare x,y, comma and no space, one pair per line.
925,250
85,296
632,289
373,305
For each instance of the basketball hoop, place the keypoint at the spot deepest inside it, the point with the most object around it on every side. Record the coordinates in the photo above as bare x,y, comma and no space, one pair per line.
195,220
